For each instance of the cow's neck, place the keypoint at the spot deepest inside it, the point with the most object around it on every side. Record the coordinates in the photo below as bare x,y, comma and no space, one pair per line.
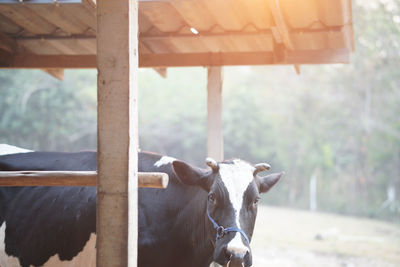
6,193
200,234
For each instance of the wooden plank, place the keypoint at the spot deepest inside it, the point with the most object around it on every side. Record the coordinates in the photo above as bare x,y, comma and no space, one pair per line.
32,61
228,15
56,73
162,72
40,46
297,69
196,14
8,26
189,45
73,178
60,17
144,23
74,45
5,58
283,29
153,180
205,59
7,43
40,2
332,38
214,42
117,58
246,58
85,14
143,49
257,12
325,56
161,46
334,13
162,15
27,19
47,178
300,14
280,23
215,139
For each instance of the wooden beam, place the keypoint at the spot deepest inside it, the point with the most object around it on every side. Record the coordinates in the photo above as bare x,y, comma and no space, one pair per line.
244,58
56,73
46,2
47,178
282,28
78,44
117,196
215,139
25,18
73,178
297,69
162,72
7,43
60,46
32,61
153,180
325,56
58,16
280,24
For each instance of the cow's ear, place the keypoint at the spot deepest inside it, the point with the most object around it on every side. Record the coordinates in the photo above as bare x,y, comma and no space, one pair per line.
267,182
190,175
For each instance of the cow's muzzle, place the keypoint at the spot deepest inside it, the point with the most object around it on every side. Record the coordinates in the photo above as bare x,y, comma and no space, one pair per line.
238,258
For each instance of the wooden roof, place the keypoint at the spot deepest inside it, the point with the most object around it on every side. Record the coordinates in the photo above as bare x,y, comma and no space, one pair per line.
62,34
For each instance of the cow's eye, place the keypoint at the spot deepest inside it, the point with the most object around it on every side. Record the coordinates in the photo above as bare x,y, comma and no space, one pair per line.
212,198
255,201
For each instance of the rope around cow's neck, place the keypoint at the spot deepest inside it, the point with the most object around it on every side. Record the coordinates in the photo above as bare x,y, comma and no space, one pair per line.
221,231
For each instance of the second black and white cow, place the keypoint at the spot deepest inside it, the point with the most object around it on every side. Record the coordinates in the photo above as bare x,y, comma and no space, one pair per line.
204,215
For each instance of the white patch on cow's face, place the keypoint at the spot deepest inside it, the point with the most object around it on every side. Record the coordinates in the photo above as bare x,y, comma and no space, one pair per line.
9,149
236,178
6,260
164,161
87,257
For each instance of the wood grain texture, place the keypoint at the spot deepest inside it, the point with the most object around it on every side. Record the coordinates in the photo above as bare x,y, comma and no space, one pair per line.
215,139
77,178
117,61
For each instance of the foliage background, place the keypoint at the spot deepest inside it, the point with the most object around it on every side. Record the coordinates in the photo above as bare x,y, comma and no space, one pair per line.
339,123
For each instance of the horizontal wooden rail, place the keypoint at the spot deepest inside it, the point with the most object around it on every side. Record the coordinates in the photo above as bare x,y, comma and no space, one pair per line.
73,178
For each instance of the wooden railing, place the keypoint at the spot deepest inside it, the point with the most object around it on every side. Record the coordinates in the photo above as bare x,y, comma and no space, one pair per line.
73,178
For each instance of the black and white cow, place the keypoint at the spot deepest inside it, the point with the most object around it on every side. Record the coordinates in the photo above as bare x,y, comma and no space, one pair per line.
56,226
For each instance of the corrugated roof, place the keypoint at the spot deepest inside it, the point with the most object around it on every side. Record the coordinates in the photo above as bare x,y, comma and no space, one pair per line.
183,32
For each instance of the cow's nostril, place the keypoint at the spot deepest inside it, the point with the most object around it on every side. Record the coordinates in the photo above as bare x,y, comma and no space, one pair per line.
247,260
227,253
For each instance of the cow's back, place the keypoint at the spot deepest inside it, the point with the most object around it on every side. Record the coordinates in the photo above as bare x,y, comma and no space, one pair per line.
49,226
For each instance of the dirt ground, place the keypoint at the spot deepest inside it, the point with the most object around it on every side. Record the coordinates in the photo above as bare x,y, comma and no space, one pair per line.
286,237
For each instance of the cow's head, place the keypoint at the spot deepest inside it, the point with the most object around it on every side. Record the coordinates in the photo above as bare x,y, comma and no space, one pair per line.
234,189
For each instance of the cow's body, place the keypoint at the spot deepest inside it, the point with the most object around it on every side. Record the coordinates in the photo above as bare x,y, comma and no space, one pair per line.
50,226
56,226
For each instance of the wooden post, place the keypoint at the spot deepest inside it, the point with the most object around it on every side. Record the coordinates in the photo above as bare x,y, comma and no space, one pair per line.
215,139
117,63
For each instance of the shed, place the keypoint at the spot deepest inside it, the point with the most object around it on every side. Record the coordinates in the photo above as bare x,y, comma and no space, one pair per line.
118,36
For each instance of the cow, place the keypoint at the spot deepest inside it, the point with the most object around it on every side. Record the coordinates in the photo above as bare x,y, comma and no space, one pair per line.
204,215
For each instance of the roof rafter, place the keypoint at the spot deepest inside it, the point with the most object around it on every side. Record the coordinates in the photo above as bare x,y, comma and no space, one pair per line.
7,43
282,28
